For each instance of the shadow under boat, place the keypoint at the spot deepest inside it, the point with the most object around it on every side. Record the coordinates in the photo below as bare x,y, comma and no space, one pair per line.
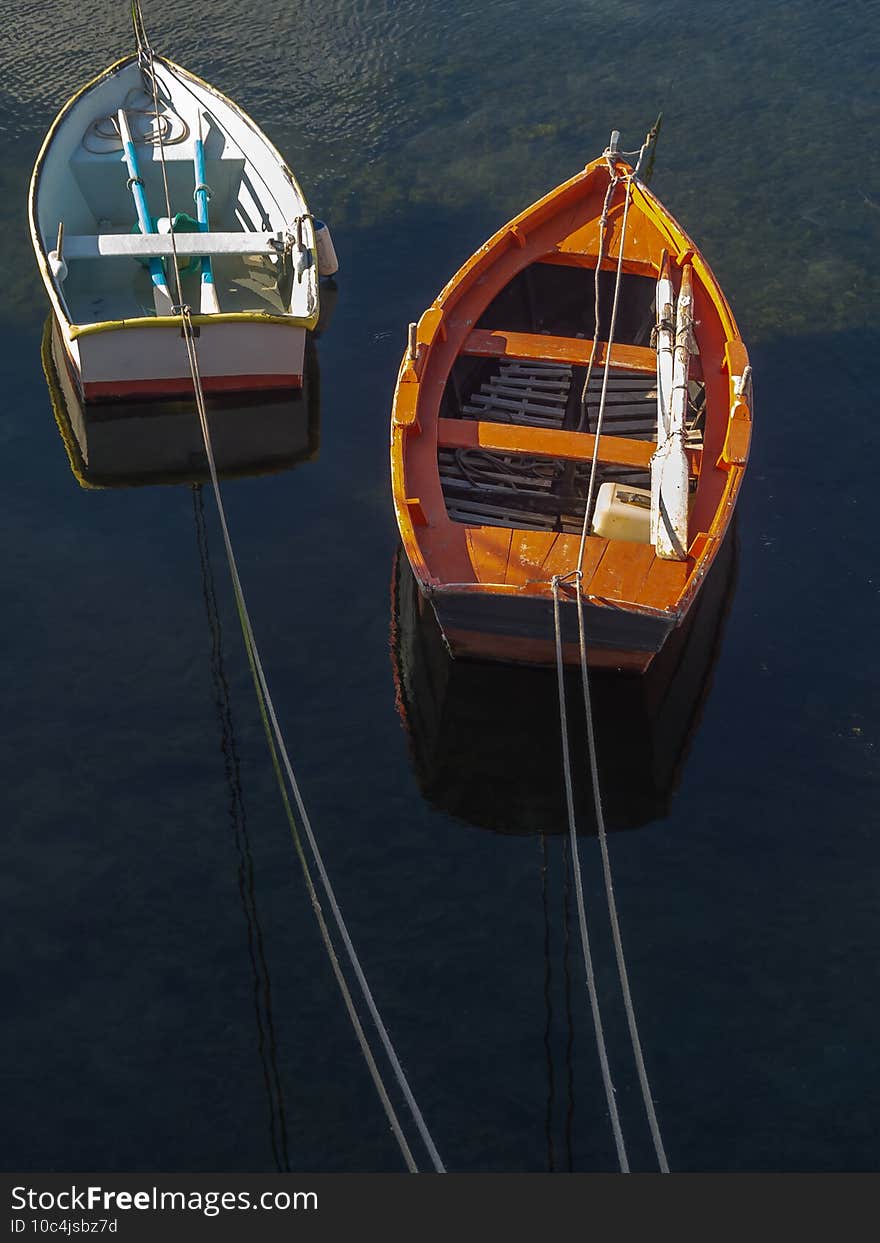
485,738
127,443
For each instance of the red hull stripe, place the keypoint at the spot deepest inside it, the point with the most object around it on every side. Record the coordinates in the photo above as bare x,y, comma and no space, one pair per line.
183,387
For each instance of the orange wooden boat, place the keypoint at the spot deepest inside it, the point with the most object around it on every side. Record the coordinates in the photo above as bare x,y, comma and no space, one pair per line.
526,444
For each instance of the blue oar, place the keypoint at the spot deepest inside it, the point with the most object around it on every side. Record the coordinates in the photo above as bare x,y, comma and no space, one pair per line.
209,304
161,296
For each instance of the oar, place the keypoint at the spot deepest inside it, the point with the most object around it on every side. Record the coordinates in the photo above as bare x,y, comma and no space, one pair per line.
665,341
208,301
161,296
670,461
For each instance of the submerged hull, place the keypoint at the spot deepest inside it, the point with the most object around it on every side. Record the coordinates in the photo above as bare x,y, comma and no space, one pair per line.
122,443
520,630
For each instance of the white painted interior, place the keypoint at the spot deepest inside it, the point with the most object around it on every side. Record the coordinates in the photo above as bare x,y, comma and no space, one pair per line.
251,192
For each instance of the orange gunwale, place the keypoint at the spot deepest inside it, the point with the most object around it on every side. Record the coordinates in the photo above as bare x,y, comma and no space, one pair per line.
563,228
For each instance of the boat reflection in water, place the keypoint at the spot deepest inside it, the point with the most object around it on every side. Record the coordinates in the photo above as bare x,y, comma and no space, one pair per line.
125,443
485,738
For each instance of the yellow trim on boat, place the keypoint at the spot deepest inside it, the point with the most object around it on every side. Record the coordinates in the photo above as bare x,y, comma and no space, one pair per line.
164,478
36,237
173,321
59,409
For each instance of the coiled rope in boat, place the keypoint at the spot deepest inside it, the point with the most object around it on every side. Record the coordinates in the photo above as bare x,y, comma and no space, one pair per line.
106,129
277,747
577,576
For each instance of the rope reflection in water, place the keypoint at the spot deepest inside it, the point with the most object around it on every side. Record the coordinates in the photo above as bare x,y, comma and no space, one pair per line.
262,986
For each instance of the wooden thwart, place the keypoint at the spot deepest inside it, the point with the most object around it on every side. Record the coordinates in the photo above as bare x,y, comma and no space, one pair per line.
548,442
159,245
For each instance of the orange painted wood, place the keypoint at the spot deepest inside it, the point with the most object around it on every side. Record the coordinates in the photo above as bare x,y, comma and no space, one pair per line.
664,583
621,577
406,405
496,344
416,512
549,442
735,450
431,325
572,255
735,357
542,442
489,549
698,544
595,550
555,553
528,559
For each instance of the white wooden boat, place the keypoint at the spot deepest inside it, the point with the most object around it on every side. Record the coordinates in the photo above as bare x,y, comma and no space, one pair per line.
100,228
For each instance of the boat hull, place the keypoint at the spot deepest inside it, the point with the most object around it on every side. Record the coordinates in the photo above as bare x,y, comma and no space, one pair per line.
150,361
514,415
517,629
122,443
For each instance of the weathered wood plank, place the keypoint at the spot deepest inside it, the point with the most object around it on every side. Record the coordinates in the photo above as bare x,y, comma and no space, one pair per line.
541,442
620,577
494,343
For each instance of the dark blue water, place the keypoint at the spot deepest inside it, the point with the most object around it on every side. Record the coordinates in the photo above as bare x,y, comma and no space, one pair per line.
168,1005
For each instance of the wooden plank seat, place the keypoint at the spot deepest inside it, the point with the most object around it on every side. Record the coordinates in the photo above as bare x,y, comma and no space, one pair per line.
159,245
499,343
549,442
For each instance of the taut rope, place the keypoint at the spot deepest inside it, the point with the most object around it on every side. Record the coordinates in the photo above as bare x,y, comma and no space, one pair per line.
577,575
277,746
579,894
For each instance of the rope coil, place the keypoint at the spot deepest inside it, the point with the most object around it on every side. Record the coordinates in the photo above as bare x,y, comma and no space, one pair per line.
169,127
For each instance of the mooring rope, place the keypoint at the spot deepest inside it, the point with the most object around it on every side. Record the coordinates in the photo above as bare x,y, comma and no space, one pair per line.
577,575
612,905
603,224
579,894
262,994
275,736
